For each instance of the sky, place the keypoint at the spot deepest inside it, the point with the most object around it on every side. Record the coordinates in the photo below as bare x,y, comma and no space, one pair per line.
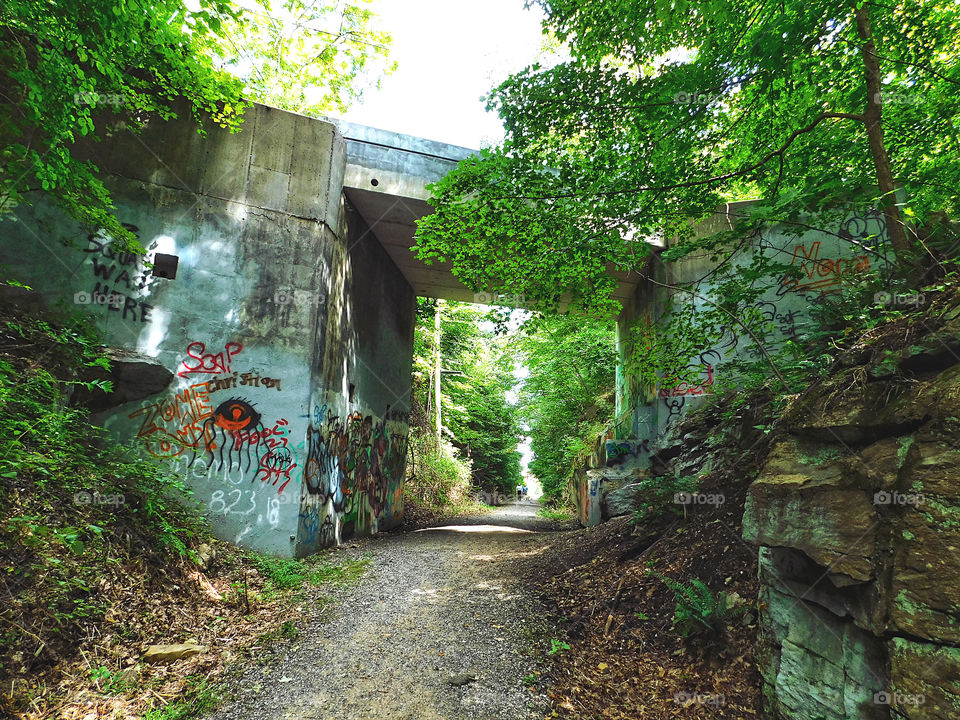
450,53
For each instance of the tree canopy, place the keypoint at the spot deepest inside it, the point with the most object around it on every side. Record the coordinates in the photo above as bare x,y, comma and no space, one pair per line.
476,377
568,397
307,56
666,108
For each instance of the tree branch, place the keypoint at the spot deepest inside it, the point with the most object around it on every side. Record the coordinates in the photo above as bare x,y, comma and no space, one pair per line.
707,181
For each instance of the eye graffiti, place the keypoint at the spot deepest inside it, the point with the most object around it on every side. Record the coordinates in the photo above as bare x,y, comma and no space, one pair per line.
235,433
230,438
236,415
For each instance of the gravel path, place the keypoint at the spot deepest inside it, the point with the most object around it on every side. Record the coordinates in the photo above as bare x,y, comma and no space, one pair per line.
437,628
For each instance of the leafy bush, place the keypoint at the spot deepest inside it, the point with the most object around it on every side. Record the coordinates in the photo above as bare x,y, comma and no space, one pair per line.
74,505
560,514
439,477
655,495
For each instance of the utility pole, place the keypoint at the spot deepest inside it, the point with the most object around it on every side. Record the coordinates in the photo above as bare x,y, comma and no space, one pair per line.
437,360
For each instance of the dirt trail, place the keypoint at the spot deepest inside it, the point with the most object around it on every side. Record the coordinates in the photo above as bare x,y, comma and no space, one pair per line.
438,628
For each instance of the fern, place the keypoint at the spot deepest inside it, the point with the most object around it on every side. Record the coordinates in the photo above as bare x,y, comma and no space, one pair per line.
697,608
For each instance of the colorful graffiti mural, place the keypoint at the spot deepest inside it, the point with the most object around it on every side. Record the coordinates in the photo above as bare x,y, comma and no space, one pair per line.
353,473
232,435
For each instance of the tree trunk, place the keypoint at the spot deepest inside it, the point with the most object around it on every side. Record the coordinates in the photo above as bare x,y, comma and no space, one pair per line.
872,120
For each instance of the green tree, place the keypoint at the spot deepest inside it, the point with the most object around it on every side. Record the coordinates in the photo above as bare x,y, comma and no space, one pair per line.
78,70
567,398
68,70
475,373
666,108
477,414
303,55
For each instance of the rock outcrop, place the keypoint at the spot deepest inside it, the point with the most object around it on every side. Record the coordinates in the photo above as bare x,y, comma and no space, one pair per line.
856,513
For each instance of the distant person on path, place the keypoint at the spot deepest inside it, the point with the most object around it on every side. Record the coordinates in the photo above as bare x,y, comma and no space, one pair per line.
524,488
519,492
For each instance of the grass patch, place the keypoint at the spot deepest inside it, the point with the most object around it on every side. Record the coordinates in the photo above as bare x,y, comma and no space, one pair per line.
560,514
201,697
324,571
283,574
469,506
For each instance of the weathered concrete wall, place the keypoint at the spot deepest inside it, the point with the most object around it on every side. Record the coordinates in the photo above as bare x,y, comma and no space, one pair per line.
360,399
647,416
821,256
280,303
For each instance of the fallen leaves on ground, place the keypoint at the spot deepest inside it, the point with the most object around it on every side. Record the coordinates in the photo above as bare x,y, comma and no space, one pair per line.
626,661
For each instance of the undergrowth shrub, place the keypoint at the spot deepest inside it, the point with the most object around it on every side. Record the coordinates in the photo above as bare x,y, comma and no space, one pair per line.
656,495
437,476
76,508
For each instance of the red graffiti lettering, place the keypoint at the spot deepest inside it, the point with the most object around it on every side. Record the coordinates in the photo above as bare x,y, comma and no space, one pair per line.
209,363
821,273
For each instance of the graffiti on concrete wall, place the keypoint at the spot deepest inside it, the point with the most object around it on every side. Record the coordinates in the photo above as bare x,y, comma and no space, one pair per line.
624,454
120,277
822,261
175,424
820,273
674,392
199,361
353,472
230,437
278,458
314,532
821,270
587,494
247,379
784,321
